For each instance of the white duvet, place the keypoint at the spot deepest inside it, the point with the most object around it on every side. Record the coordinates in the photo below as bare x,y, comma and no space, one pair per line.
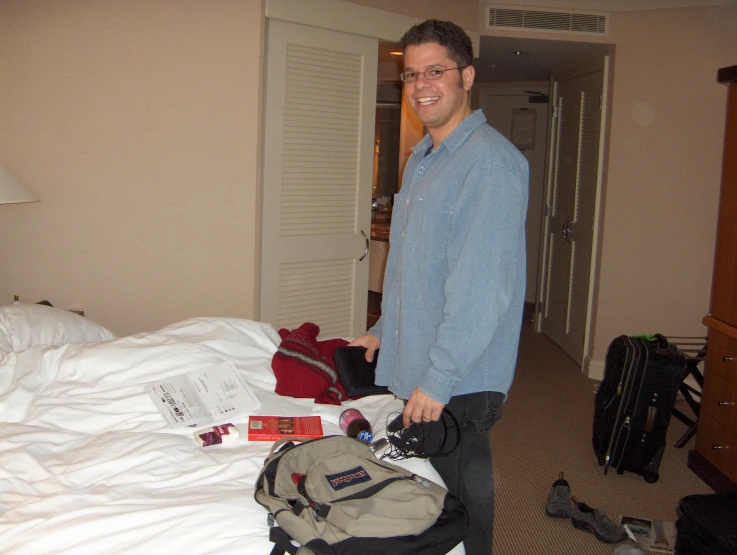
88,465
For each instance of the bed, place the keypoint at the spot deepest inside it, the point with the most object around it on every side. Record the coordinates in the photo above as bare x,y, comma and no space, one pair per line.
88,465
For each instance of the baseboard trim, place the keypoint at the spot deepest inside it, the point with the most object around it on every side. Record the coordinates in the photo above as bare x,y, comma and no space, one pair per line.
596,370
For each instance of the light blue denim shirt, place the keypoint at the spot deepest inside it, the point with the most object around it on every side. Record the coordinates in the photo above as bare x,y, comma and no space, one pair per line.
454,285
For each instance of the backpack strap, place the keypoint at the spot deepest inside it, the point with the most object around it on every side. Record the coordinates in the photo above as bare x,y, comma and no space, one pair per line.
284,441
282,542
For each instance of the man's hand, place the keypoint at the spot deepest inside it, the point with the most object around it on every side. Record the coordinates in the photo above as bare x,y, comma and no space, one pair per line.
371,342
421,407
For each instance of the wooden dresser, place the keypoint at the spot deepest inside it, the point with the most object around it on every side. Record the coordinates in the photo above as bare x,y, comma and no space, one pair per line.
715,457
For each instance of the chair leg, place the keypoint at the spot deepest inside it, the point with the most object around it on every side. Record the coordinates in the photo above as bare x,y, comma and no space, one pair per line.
687,436
688,392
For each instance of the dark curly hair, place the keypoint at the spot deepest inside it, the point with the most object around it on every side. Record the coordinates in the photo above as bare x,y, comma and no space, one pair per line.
444,33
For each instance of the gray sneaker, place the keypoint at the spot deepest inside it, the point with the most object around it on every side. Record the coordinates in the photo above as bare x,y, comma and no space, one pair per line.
628,550
597,522
559,500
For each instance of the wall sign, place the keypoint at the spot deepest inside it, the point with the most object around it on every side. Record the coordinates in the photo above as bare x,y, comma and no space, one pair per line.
524,121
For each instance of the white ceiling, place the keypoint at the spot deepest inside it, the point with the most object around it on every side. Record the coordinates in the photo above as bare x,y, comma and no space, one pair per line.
497,63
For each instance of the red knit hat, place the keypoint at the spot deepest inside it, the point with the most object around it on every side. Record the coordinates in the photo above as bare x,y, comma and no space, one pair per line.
304,367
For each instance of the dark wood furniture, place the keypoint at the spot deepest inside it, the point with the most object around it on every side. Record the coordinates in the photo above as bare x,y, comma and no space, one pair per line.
715,456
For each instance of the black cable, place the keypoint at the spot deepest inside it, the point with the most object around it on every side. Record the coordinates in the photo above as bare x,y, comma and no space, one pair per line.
422,439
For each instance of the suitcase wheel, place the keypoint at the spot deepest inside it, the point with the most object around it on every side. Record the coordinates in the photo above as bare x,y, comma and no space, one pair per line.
651,478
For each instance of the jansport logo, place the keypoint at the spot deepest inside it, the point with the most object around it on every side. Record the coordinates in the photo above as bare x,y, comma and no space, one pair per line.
348,478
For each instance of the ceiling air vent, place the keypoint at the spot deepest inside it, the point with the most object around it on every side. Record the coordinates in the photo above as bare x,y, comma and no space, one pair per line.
555,21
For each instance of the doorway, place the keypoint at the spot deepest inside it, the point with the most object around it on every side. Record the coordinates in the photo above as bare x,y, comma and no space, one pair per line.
571,208
397,130
559,287
524,68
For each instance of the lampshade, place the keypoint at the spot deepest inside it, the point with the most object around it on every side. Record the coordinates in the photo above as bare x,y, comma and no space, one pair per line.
11,190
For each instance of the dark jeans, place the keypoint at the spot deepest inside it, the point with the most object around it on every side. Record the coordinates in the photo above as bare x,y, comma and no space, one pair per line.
468,472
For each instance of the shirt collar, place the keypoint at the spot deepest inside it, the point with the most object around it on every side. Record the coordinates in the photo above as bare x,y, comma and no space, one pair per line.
459,135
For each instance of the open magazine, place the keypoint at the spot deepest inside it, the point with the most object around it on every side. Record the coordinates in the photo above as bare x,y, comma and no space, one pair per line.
651,535
203,397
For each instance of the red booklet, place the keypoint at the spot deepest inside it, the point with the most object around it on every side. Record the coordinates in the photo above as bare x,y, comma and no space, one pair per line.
270,428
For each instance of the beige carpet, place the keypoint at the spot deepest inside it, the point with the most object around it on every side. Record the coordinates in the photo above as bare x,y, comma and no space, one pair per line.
546,429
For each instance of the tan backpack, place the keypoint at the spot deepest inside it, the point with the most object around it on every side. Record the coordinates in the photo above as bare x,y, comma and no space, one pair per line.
332,495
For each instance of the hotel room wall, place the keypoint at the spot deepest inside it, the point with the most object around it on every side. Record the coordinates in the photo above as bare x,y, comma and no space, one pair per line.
664,171
136,124
463,13
138,128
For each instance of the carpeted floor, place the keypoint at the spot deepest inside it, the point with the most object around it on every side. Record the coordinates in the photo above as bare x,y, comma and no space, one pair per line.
546,429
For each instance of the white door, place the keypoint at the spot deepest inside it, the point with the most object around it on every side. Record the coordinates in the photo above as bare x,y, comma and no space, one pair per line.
572,207
320,103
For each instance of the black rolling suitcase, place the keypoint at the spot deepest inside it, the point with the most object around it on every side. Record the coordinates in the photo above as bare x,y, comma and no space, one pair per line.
634,404
707,524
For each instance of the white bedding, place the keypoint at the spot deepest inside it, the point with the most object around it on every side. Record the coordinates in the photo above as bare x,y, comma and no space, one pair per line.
88,465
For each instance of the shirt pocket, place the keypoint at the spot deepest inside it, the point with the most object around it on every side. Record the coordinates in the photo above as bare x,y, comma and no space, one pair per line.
434,227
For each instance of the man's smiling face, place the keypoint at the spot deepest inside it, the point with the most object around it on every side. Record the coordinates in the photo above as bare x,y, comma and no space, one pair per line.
443,103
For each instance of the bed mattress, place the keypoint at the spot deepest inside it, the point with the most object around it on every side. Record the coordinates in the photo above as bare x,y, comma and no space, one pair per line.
88,465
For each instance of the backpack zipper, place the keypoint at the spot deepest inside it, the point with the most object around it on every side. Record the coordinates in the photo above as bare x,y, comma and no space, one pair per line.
372,490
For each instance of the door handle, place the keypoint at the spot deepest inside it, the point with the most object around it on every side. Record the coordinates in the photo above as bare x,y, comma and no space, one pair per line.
567,230
367,246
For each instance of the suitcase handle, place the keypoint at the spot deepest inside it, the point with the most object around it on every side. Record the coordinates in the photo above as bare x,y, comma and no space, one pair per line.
662,342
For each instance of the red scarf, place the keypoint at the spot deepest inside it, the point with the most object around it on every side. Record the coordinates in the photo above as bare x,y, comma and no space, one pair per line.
304,366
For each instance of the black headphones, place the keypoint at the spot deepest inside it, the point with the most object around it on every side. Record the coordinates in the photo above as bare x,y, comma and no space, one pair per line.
423,439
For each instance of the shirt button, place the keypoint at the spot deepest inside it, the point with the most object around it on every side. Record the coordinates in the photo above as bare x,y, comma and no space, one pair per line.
406,201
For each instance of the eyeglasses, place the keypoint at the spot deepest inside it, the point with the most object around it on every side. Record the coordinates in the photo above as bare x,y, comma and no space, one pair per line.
429,74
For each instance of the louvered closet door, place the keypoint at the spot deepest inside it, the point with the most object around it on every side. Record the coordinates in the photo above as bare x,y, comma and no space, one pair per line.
571,224
320,103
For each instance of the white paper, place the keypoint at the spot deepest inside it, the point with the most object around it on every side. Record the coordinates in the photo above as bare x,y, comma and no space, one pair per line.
651,535
202,398
523,128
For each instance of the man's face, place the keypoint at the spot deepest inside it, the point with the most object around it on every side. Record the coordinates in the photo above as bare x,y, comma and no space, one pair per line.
442,102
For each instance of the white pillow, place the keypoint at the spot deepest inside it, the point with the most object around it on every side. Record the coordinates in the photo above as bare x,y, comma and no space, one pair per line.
25,325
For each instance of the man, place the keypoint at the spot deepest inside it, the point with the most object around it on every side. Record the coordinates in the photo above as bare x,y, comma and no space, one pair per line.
454,284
